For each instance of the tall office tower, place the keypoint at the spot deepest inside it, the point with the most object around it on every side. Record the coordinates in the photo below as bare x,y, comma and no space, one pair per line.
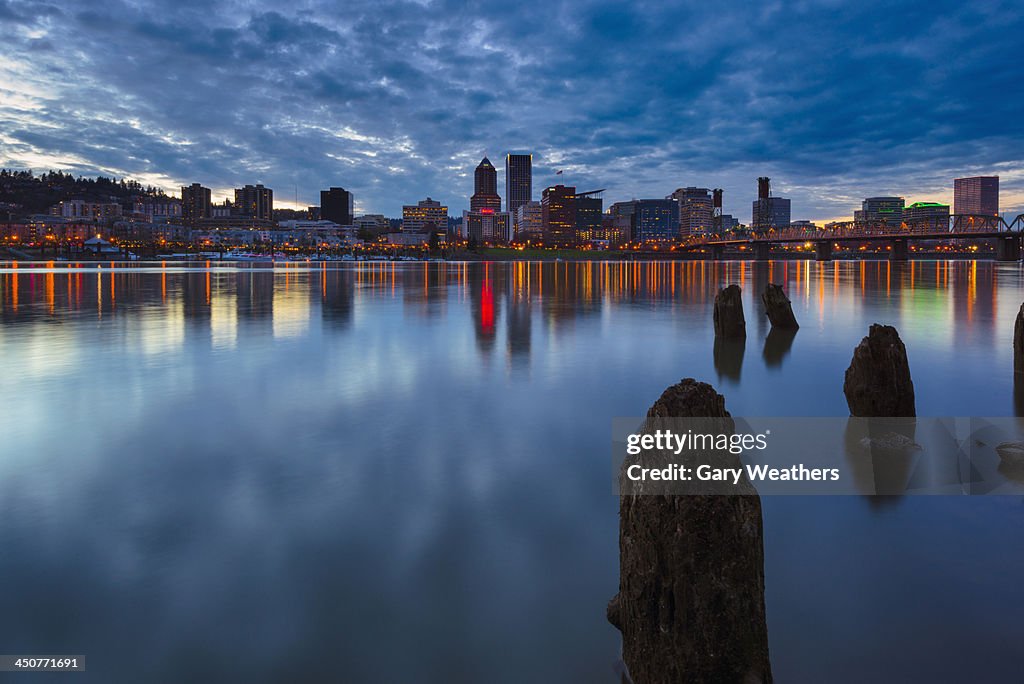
336,206
255,201
589,214
978,195
485,188
428,216
195,203
518,182
695,210
559,207
877,210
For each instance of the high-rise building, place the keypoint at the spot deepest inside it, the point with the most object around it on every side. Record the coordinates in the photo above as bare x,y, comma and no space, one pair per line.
559,210
589,213
518,182
428,216
978,195
254,201
195,203
655,220
529,221
771,212
336,206
485,187
695,210
877,210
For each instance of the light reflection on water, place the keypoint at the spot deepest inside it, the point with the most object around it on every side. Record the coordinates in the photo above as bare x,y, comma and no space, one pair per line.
400,472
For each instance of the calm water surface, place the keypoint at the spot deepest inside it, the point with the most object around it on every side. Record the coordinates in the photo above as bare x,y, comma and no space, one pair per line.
400,472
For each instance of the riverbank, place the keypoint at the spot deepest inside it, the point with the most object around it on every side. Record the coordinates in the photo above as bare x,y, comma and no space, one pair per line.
502,255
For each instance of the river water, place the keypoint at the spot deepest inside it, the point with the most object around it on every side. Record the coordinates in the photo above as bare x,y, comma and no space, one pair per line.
400,472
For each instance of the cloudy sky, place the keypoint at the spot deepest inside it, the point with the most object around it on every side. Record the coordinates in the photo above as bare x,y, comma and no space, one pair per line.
834,100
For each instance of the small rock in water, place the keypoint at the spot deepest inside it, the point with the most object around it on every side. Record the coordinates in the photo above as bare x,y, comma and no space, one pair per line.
890,441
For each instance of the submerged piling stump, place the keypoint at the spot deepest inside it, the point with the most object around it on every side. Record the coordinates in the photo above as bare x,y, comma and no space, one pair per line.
1018,342
779,308
729,321
691,588
878,382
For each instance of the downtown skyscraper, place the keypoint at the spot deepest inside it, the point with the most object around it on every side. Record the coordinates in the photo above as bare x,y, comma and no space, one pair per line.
978,195
559,206
336,205
485,188
518,182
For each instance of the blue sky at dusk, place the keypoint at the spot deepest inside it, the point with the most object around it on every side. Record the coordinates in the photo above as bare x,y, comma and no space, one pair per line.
399,100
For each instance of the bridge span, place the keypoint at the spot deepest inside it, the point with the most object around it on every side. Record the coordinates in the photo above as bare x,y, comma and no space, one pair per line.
961,227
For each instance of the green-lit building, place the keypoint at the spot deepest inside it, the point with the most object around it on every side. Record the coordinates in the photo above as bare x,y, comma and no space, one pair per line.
927,212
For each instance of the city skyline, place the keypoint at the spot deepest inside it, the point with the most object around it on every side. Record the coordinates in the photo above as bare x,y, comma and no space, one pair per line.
378,103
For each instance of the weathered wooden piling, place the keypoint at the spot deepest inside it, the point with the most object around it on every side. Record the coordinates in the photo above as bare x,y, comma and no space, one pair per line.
878,382
691,587
779,308
729,321
1018,342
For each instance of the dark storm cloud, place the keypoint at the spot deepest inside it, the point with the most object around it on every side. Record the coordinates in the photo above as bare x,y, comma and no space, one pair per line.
398,100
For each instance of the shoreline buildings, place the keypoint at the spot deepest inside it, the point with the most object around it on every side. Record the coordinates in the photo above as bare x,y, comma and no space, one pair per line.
977,195
563,217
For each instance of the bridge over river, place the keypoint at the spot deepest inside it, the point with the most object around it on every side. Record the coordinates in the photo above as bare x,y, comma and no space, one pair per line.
961,227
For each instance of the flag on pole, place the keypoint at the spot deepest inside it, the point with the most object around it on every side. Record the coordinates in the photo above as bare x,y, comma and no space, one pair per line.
559,172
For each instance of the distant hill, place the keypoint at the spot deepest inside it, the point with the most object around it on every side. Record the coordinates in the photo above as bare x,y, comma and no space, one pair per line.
23,192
